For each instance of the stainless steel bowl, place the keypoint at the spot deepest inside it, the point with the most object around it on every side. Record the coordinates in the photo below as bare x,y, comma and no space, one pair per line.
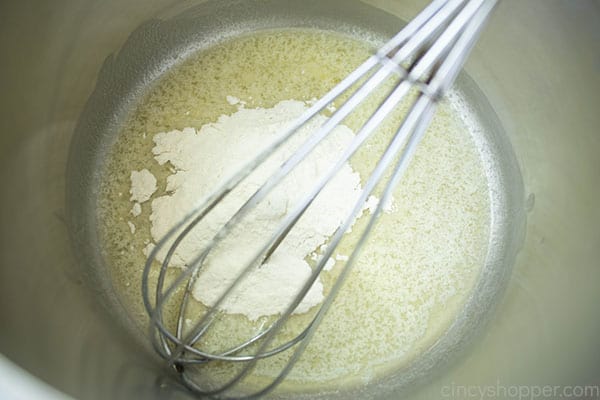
538,65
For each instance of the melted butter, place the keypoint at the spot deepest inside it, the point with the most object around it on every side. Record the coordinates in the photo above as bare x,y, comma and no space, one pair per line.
421,261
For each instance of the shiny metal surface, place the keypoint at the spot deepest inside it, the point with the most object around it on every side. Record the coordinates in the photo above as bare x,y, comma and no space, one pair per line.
538,65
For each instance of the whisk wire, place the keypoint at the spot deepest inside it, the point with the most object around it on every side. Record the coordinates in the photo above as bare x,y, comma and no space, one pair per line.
360,95
434,45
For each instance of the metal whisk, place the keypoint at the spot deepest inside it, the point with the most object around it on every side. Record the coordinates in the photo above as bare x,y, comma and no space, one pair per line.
425,56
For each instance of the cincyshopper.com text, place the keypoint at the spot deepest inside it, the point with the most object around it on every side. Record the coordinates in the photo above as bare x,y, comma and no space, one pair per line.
500,391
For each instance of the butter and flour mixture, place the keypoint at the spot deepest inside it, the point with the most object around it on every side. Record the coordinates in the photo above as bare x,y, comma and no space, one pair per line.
209,113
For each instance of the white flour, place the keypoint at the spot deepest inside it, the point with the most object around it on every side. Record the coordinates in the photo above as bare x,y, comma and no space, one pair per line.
143,185
202,159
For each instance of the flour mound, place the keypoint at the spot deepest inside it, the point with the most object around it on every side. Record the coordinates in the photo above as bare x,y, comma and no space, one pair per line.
204,158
